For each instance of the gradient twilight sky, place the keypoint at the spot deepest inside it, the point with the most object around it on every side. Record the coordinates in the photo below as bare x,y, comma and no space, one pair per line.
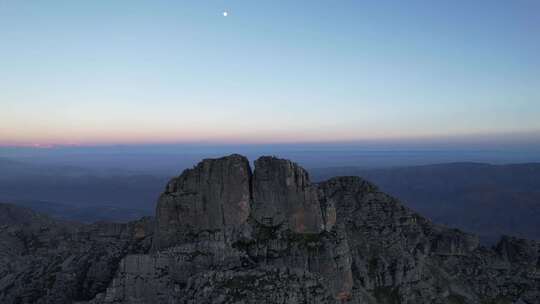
107,72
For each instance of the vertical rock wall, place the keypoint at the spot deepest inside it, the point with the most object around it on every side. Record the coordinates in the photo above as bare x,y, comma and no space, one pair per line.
210,197
283,195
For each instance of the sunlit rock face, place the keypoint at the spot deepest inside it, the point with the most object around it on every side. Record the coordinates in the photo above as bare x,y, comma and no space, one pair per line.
225,235
220,194
284,196
212,196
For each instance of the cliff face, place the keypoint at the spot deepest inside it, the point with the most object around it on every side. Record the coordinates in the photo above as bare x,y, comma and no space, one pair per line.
215,195
223,234
284,197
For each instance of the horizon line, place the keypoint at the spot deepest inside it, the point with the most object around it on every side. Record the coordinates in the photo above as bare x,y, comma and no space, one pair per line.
505,138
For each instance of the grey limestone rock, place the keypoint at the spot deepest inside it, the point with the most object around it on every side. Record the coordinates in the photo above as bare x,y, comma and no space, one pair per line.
212,196
48,261
225,235
284,196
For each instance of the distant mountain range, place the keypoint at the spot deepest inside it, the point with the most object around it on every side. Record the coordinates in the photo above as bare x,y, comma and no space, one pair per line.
66,186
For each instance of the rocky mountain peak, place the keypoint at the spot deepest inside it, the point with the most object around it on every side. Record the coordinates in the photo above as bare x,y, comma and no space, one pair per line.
225,234
222,193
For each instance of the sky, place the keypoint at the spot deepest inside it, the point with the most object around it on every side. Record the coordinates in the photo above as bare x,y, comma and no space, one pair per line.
156,72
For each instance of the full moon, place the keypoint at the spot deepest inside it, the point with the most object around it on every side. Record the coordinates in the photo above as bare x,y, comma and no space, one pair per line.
225,14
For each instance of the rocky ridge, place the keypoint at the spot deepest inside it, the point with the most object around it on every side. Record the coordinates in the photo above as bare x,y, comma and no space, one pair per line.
226,234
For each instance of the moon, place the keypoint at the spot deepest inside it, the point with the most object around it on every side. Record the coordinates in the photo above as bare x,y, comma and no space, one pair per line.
225,14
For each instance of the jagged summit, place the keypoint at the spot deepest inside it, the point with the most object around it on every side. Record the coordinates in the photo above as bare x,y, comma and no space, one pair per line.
226,234
223,193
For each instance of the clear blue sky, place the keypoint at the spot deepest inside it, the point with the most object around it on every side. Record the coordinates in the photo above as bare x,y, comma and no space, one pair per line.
100,72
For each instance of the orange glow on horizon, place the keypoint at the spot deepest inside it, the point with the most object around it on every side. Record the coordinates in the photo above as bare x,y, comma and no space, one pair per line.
146,138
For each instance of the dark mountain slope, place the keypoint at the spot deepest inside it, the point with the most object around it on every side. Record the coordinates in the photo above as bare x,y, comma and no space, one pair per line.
49,261
490,200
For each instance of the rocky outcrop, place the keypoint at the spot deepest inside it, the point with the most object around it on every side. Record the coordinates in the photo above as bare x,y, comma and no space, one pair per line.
225,235
283,196
48,261
212,196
